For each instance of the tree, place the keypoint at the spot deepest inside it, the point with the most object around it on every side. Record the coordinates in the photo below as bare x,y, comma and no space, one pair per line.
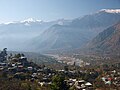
87,76
22,55
3,55
66,68
58,83
17,55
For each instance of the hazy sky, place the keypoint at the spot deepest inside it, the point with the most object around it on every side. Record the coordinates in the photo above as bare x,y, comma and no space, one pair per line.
14,10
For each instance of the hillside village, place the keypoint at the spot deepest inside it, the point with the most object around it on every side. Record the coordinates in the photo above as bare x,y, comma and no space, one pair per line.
17,67
59,44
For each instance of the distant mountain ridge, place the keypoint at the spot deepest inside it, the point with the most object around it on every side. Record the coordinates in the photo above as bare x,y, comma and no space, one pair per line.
15,35
107,41
77,33
37,36
110,10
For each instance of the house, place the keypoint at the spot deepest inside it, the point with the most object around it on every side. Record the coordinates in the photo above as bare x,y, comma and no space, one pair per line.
80,84
89,86
29,68
71,82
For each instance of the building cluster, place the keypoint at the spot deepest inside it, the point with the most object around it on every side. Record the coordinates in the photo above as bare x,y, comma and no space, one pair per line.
80,84
112,78
18,67
71,61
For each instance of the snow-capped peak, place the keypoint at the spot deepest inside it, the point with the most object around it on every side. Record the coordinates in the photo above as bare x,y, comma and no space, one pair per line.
25,22
31,20
9,23
110,10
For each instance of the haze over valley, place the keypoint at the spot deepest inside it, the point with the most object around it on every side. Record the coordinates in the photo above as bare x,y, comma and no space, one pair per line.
56,35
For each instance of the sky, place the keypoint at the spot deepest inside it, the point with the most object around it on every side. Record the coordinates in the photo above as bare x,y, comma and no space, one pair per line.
47,10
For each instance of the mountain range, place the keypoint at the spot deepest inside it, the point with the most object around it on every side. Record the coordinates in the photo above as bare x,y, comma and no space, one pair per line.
76,33
14,35
38,36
